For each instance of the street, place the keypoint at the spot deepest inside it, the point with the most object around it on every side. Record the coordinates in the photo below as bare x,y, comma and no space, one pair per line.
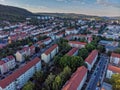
98,74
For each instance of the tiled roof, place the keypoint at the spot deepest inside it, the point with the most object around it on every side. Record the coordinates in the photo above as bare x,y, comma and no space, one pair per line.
10,57
76,79
47,39
91,56
32,47
48,51
115,55
114,69
6,81
76,42
1,62
72,51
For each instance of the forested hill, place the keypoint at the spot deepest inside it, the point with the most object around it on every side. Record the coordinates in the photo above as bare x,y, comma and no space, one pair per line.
12,13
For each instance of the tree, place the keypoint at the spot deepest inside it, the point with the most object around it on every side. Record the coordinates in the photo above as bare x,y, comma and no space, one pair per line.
56,59
39,76
28,86
63,45
90,47
49,81
83,53
117,50
57,83
101,48
115,81
72,61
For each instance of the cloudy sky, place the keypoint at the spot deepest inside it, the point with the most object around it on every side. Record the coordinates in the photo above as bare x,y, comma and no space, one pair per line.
90,7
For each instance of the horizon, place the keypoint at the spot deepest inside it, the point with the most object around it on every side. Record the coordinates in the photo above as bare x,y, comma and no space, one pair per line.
103,8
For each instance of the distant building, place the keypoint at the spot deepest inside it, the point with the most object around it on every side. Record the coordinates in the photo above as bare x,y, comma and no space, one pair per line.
49,53
109,45
91,59
115,59
77,80
20,55
47,41
32,50
77,44
6,64
73,52
71,31
112,70
17,79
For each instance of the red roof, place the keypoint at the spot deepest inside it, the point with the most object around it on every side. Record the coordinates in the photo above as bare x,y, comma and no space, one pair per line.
91,56
47,39
10,57
76,79
72,51
76,42
115,55
32,47
114,69
1,62
48,51
39,42
6,81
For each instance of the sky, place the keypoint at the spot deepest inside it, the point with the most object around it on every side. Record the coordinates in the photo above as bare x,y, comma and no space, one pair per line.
89,7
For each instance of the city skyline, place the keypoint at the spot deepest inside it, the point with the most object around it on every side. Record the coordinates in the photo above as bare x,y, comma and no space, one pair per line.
89,7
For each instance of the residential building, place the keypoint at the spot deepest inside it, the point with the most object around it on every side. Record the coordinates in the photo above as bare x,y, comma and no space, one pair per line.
20,56
32,50
17,79
73,52
47,41
77,80
77,44
112,70
91,59
3,67
6,64
49,53
71,31
115,59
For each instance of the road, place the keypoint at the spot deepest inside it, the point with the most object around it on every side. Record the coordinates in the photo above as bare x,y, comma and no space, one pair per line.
98,74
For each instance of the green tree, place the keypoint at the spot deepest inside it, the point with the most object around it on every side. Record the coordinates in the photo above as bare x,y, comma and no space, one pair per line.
28,86
57,83
117,50
90,47
115,81
101,48
49,80
83,53
72,61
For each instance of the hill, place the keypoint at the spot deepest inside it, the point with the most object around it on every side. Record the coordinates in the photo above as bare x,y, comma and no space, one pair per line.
68,15
13,13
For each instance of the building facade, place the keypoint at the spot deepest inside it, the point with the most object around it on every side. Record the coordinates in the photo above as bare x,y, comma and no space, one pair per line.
17,79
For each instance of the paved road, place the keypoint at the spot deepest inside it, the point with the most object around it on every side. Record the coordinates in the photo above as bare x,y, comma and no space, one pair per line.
98,74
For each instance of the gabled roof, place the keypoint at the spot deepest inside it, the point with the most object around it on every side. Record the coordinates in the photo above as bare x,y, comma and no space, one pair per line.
32,47
72,51
2,62
47,39
114,69
77,42
6,81
76,79
10,57
115,55
91,56
48,51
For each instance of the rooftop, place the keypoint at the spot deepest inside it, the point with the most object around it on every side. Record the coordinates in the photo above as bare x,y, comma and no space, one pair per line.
75,79
6,81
